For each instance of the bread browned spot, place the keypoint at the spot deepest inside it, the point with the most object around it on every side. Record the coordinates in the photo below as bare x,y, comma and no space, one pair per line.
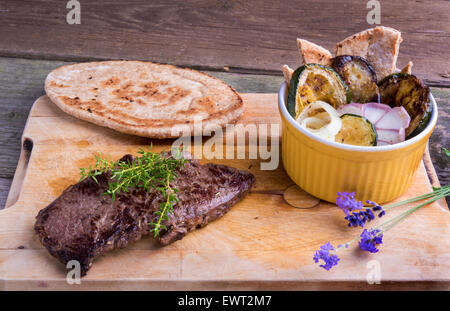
110,82
54,84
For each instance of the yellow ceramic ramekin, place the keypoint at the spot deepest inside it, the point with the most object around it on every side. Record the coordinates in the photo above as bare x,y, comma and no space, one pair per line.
323,168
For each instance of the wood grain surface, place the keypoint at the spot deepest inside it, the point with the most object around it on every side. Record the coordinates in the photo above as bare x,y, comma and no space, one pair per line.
262,243
22,81
254,36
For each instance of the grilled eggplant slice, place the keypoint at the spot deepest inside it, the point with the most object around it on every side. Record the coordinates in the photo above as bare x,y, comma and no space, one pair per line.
402,89
313,82
356,130
359,76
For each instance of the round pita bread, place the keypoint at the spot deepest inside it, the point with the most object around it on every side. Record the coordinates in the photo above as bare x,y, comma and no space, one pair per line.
143,98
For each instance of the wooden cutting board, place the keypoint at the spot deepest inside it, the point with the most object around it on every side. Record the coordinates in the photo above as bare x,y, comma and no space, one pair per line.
262,243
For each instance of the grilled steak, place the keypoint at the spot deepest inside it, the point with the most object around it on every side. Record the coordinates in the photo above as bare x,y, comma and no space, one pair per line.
82,224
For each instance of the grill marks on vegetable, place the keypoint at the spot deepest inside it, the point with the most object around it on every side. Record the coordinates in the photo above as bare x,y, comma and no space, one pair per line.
408,91
359,76
353,77
356,130
313,82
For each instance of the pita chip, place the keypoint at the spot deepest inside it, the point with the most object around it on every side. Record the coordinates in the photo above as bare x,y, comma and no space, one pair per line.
313,53
379,46
287,72
408,68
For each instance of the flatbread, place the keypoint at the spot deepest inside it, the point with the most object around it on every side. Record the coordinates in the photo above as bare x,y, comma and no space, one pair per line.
379,46
313,53
287,73
143,98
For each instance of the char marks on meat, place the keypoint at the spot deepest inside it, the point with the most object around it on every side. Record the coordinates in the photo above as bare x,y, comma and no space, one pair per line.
82,224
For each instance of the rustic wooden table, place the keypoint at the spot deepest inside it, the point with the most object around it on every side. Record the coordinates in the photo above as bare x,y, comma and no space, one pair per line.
244,43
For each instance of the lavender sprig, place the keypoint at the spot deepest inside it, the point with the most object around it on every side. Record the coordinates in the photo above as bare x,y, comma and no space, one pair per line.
353,209
370,239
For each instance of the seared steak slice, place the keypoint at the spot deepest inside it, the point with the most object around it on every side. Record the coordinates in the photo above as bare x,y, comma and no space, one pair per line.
82,224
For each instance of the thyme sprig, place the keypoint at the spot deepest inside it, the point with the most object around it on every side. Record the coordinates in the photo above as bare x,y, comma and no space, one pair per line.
149,171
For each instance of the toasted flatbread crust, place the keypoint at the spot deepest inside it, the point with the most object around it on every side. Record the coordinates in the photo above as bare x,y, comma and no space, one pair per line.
379,46
287,73
143,98
313,53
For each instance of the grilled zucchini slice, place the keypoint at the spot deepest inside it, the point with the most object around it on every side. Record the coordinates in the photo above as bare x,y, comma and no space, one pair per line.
423,123
313,82
402,89
359,76
356,130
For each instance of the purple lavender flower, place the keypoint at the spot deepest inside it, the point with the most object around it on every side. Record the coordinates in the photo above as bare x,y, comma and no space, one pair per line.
354,220
327,254
359,219
370,239
377,208
347,202
353,210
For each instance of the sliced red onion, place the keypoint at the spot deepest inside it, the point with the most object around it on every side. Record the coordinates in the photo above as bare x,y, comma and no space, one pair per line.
406,119
382,143
390,136
390,121
402,134
374,111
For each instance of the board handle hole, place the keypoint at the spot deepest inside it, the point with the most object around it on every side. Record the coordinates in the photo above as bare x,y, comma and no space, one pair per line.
19,176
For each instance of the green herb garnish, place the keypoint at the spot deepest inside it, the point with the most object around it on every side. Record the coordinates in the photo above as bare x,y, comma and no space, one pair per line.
149,171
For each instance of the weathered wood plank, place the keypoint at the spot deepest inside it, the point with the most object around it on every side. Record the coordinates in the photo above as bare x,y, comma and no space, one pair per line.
21,82
254,36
